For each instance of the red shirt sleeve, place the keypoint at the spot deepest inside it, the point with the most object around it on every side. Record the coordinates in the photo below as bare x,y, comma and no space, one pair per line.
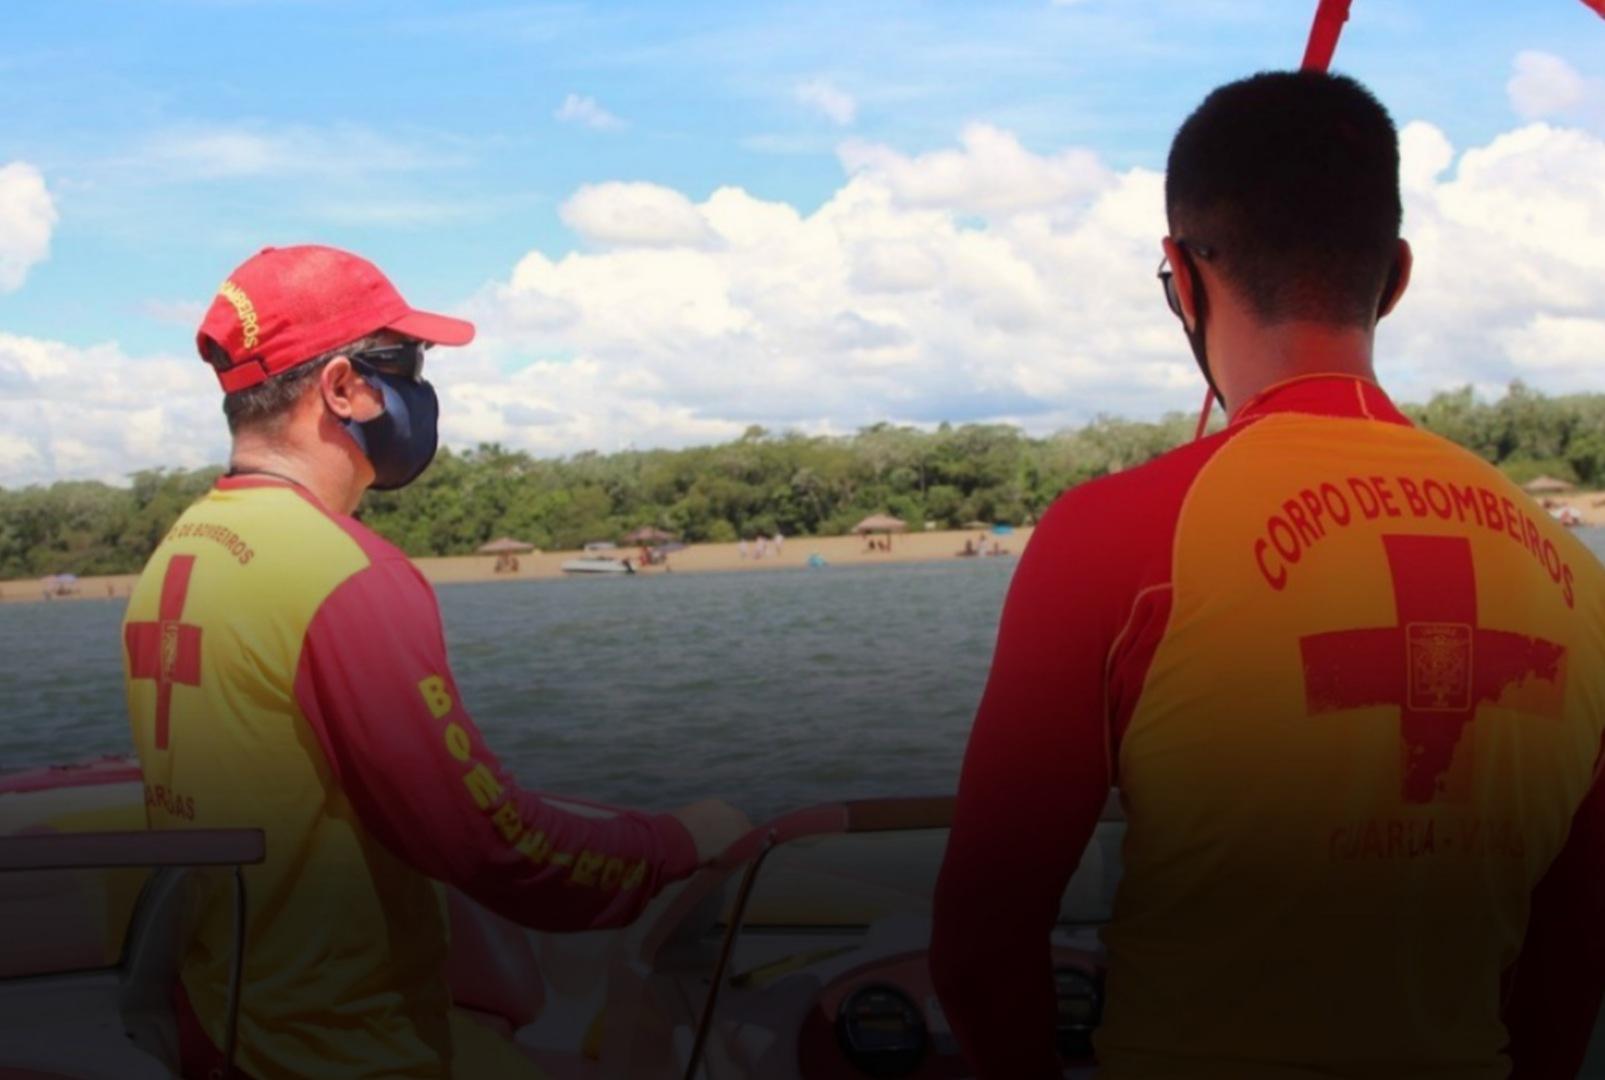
1034,782
1085,612
1558,983
375,685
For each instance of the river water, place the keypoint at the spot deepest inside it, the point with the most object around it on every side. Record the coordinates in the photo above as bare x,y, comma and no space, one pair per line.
772,689
768,688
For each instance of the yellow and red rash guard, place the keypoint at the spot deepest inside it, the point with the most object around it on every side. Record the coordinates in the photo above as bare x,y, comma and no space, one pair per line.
1351,685
286,669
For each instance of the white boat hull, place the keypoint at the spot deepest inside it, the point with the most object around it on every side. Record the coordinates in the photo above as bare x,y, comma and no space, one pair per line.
597,566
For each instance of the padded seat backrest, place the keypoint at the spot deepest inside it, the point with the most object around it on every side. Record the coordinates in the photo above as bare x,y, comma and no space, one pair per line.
153,952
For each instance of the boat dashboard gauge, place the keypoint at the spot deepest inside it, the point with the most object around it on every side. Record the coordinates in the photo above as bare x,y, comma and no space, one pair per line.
882,1018
1080,1007
882,1031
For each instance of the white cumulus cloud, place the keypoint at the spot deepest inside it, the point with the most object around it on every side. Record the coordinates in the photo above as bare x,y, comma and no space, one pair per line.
27,220
634,213
97,413
988,281
983,281
587,112
988,172
1543,84
826,97
1509,277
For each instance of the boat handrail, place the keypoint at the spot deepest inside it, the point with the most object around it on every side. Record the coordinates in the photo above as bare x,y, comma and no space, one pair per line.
132,848
827,819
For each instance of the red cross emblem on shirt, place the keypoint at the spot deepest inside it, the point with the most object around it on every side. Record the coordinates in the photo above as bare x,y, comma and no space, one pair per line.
1437,665
167,650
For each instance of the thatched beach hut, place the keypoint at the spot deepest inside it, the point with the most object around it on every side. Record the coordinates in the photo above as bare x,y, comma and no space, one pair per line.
883,524
507,550
1547,485
648,534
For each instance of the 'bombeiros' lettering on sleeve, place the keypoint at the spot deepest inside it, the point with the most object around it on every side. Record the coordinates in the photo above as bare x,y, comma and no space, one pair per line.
591,868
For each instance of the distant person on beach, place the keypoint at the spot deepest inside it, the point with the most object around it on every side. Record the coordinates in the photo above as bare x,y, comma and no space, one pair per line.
741,548
780,543
1349,679
286,669
763,546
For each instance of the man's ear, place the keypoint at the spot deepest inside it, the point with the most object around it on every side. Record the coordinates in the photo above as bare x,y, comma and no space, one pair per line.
1182,270
340,385
1398,279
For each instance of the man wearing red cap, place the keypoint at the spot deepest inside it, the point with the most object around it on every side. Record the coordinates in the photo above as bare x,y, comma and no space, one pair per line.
286,670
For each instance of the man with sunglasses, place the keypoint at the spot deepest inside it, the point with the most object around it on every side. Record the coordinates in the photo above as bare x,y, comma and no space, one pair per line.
1348,680
286,670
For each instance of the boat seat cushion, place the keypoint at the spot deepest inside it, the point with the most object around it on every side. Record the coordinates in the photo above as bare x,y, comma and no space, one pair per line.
492,966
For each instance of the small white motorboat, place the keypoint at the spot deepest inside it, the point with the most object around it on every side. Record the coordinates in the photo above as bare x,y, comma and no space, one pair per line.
596,564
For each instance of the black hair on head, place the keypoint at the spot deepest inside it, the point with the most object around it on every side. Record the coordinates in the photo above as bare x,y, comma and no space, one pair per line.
1293,179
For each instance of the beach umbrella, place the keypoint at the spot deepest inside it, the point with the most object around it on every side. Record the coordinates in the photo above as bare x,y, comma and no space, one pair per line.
506,546
1546,485
59,584
647,534
880,523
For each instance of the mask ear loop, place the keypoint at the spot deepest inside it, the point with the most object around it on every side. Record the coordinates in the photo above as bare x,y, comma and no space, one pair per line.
1211,393
1389,287
1204,414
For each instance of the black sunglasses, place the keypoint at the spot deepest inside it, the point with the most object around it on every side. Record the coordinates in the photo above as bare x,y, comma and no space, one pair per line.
1167,277
405,359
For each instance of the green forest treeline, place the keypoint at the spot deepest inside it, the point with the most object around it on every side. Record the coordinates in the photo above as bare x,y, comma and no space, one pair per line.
761,483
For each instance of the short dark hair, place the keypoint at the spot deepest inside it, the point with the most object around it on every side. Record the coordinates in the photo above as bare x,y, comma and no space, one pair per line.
270,399
1293,179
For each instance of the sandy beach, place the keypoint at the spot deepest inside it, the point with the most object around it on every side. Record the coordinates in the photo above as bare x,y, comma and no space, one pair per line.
709,558
697,558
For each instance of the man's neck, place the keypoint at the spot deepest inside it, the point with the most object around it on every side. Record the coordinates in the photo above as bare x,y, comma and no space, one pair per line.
1286,351
252,456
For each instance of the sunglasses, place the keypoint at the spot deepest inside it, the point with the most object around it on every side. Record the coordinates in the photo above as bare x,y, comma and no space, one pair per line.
1167,277
405,360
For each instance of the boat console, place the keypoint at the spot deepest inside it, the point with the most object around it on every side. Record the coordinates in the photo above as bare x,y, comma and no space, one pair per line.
799,955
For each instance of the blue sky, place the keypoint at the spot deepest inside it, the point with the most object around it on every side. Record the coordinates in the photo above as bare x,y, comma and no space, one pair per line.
452,163
176,136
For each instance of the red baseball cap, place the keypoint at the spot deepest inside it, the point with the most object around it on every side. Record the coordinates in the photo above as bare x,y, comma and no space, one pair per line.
285,306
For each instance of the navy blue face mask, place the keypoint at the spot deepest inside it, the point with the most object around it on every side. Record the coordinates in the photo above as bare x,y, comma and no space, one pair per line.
399,443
